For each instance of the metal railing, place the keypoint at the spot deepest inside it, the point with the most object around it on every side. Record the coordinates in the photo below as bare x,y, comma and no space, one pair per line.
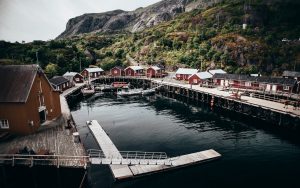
129,157
48,160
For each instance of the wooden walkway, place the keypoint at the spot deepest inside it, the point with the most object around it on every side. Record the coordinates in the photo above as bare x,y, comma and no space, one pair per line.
143,166
271,105
109,150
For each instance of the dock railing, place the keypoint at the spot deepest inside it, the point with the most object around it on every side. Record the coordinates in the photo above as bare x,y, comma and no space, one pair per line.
130,157
41,160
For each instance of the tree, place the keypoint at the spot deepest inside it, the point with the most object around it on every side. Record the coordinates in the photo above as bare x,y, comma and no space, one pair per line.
51,69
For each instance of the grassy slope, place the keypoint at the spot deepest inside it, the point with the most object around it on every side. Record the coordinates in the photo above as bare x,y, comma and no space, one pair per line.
213,36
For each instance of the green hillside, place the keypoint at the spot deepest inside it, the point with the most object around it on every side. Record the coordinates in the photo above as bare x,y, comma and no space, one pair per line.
211,38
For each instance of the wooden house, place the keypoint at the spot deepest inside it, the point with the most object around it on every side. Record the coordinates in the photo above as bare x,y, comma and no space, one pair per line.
200,78
60,83
291,74
73,77
276,85
184,74
117,71
134,71
27,99
94,72
155,72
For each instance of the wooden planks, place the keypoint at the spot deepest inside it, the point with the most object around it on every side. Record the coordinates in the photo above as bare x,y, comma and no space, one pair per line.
109,150
177,162
143,167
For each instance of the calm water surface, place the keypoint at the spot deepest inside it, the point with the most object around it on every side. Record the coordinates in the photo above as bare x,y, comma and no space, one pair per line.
251,156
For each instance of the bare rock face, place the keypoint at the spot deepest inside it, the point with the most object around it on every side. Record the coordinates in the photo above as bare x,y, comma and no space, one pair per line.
132,21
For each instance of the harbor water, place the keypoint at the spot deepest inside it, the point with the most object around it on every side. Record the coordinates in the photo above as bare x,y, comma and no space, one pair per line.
253,154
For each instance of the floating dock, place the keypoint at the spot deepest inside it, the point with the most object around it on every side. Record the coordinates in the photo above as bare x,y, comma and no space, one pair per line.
123,168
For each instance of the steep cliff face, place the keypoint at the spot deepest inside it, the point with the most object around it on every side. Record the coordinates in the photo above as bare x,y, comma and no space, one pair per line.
131,21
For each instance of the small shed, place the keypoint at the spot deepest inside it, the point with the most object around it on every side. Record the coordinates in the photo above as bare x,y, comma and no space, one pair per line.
155,72
73,77
291,74
134,71
184,73
60,83
200,77
94,72
117,71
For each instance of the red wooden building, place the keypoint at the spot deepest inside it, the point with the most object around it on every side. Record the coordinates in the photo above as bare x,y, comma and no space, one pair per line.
184,74
60,83
94,72
200,78
73,77
27,99
155,72
117,71
134,71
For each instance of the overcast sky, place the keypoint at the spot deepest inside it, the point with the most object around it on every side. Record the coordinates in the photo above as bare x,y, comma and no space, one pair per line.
45,19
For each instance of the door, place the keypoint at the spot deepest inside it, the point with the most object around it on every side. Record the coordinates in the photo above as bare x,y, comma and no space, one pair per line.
222,82
42,116
274,88
268,87
226,83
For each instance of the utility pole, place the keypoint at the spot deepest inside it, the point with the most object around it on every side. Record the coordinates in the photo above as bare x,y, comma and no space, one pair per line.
79,64
37,57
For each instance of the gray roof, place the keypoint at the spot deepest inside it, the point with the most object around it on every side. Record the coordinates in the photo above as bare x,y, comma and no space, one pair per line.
203,75
291,74
186,71
16,82
58,80
216,71
94,69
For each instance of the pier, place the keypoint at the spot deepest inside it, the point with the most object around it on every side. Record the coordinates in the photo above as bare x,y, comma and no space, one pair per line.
52,145
133,164
266,108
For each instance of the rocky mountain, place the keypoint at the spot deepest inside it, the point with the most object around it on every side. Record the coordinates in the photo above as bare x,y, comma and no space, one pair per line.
132,21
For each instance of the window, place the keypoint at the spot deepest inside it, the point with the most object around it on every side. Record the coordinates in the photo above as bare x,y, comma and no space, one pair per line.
77,79
248,84
115,71
286,88
4,124
195,80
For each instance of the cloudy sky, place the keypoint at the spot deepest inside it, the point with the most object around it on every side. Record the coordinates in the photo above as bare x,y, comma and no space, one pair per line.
45,19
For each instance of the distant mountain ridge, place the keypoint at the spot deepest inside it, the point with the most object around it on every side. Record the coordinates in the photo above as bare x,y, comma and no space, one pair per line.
131,21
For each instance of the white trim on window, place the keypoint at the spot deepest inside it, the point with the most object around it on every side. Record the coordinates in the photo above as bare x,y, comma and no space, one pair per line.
4,124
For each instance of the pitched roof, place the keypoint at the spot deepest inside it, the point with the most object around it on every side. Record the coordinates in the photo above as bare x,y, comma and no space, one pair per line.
94,69
119,67
16,82
219,71
186,71
291,74
135,68
155,68
58,80
203,75
70,74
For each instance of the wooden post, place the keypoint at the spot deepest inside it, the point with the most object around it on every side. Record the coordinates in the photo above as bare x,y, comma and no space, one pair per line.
4,176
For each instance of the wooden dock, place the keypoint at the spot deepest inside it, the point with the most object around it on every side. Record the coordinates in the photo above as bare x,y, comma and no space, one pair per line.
142,166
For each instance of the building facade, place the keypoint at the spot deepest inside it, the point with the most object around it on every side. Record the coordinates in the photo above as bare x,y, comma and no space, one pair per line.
117,71
60,83
27,99
134,71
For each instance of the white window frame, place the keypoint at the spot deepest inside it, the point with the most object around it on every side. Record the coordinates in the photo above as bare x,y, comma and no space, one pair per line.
286,88
248,84
4,124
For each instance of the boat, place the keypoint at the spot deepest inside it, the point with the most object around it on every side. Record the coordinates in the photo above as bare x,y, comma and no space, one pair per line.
88,90
114,86
129,92
120,84
148,91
